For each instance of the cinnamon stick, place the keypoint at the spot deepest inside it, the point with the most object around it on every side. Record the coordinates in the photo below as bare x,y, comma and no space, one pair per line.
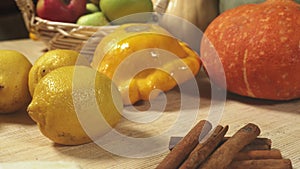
261,164
257,144
181,151
173,141
259,140
203,150
256,147
224,155
258,154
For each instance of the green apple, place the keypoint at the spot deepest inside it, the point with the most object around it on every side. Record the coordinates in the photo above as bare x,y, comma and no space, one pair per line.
96,2
91,8
93,19
114,9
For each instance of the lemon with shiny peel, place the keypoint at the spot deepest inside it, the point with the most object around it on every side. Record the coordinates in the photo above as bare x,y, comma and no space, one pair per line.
14,68
67,101
49,61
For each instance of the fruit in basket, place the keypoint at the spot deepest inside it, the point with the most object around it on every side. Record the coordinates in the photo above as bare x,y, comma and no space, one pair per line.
61,10
139,45
14,68
49,61
258,45
91,8
96,2
53,104
114,9
93,19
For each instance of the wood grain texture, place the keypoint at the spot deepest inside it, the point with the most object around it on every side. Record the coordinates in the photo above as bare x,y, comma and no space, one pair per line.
21,140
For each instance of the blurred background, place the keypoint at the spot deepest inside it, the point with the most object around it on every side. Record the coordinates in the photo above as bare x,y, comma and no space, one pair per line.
11,22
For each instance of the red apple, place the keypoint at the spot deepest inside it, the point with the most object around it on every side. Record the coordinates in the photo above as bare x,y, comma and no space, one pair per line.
61,10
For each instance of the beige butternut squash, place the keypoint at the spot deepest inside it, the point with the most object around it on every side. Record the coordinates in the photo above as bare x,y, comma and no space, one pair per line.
198,12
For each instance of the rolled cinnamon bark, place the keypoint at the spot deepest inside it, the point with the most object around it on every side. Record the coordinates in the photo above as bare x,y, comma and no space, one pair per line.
257,144
203,150
258,154
250,147
261,164
182,149
259,140
224,155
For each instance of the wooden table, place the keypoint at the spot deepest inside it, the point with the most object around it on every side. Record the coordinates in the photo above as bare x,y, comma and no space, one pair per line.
21,140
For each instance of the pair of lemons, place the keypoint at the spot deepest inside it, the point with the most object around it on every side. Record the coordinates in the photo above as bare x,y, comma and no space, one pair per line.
58,96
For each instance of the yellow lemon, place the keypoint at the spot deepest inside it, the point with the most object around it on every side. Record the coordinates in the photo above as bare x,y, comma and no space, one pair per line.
71,103
14,68
49,61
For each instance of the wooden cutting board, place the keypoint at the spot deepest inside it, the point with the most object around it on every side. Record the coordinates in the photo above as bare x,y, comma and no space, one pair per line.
21,140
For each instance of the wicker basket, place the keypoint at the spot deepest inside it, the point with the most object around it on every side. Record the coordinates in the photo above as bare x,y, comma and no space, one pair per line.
59,35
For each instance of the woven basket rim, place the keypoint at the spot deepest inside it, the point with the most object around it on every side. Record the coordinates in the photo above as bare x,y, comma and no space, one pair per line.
73,25
54,33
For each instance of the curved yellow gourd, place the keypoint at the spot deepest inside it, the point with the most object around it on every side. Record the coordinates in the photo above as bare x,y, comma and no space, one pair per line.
151,59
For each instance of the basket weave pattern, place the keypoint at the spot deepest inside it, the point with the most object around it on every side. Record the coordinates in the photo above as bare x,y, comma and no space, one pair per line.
60,35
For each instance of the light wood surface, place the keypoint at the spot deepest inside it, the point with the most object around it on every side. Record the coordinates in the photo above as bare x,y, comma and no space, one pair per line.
21,140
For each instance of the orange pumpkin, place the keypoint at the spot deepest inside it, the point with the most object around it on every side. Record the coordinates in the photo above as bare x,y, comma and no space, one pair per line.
259,47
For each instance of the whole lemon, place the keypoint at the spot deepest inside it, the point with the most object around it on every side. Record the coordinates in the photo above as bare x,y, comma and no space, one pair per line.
49,61
71,103
14,68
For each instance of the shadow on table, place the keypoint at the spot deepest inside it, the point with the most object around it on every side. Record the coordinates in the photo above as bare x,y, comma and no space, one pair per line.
91,156
291,106
85,151
96,152
19,117
173,97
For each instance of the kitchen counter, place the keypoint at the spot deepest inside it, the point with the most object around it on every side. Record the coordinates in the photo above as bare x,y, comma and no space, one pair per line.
21,140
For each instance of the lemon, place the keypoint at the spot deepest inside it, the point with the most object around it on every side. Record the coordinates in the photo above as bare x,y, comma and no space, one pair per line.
60,101
14,68
49,61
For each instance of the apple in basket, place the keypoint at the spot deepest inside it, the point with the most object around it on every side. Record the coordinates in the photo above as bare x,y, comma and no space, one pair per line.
61,10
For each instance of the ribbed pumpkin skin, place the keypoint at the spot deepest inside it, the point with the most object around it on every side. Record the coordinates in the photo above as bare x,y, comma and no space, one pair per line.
259,47
225,5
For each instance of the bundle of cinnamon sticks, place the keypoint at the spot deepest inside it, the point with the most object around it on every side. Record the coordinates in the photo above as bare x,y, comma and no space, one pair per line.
207,148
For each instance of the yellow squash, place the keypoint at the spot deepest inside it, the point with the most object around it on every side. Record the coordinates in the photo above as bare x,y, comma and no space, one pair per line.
143,57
